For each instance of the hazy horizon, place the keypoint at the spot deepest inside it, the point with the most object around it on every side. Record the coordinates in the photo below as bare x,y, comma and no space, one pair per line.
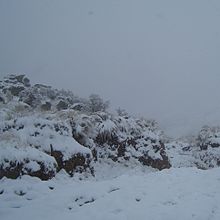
159,59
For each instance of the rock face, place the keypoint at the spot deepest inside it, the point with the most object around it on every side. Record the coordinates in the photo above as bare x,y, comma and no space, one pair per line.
77,163
17,169
15,162
159,163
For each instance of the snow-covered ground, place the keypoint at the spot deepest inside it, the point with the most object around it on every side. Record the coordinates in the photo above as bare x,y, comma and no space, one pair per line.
176,193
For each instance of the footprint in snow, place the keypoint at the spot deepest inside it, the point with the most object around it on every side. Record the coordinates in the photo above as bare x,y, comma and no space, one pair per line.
138,199
170,203
113,189
83,201
116,211
19,192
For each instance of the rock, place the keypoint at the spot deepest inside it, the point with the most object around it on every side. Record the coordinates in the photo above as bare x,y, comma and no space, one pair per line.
17,169
147,152
159,164
77,163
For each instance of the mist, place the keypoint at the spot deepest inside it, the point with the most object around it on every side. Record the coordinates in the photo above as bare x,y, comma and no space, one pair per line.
159,59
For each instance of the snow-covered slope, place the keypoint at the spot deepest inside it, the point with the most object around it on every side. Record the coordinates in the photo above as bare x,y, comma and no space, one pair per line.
98,165
184,193
44,130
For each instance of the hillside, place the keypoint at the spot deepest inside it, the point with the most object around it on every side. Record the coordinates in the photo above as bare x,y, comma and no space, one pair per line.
44,130
98,164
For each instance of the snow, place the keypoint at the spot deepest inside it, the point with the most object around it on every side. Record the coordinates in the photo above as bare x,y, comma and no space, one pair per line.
29,131
178,157
33,166
215,140
107,126
154,155
177,193
17,155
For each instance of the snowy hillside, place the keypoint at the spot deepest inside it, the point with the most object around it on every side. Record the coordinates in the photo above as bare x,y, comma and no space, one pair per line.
98,164
44,130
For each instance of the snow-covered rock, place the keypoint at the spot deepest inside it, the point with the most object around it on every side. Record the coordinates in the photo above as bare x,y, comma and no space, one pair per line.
121,139
31,139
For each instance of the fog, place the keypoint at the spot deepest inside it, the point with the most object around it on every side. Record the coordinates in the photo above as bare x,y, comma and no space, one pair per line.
155,58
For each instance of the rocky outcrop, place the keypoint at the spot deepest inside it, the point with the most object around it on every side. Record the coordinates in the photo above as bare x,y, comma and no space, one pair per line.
76,163
121,139
160,163
16,169
16,161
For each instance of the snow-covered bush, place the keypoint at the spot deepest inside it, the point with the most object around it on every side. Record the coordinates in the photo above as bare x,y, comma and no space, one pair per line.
208,141
50,137
96,103
121,138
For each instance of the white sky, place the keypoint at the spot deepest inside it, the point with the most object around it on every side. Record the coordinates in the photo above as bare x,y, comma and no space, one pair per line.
156,58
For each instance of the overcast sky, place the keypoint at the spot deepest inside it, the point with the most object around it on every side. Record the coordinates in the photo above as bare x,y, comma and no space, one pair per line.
156,58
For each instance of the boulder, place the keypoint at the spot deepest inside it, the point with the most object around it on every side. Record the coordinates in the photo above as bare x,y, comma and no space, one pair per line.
76,163
17,169
15,162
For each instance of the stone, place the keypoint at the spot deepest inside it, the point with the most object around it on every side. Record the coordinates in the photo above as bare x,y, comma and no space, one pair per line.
77,163
17,169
